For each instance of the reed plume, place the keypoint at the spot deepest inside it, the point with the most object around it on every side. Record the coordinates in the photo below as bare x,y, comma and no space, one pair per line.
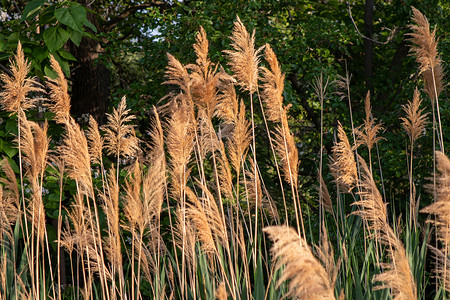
9,212
272,95
214,215
396,274
325,254
120,137
184,232
59,97
208,140
287,150
344,165
221,292
14,95
441,209
227,108
133,207
204,77
154,180
75,154
195,212
224,172
95,141
373,209
367,133
273,86
240,139
244,59
180,144
308,278
424,41
34,144
425,50
414,124
415,121
325,196
256,194
177,75
10,189
236,126
111,208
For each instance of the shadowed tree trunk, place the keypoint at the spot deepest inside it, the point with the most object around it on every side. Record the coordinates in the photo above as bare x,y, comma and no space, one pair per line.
90,77
368,44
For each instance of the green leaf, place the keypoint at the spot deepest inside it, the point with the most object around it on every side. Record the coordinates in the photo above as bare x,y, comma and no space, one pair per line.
47,16
55,38
63,63
49,72
66,54
9,150
31,8
11,126
2,42
40,53
73,16
13,39
90,25
75,36
13,165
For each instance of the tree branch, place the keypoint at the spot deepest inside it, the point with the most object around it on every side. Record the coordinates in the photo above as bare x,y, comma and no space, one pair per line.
130,10
389,38
6,70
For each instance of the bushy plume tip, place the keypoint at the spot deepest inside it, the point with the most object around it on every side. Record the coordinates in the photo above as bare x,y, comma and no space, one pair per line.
344,166
59,96
244,59
14,95
415,121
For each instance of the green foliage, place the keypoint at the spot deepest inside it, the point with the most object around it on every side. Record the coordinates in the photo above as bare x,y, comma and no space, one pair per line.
44,28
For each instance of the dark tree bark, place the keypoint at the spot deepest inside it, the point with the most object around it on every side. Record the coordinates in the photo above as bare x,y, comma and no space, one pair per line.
395,74
368,44
90,81
90,77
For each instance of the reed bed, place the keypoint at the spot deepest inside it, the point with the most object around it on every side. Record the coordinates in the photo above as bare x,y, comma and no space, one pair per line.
190,217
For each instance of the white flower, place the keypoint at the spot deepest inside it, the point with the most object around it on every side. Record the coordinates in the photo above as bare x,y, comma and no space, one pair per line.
3,15
45,191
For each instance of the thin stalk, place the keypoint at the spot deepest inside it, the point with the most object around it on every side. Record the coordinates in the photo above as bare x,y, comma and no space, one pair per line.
441,137
274,158
58,255
132,264
27,236
255,172
294,189
321,208
411,187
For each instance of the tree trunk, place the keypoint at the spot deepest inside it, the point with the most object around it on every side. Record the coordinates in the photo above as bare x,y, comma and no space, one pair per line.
368,44
90,77
90,82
